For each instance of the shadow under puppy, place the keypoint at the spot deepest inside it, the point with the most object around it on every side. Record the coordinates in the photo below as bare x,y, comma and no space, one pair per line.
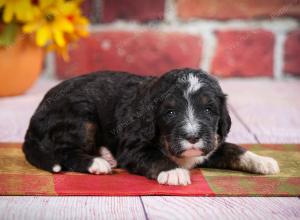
155,127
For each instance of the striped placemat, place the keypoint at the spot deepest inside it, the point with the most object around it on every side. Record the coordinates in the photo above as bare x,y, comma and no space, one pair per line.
18,177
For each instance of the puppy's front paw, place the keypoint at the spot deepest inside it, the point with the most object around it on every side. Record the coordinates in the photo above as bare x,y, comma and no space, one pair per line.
268,166
176,176
99,166
260,164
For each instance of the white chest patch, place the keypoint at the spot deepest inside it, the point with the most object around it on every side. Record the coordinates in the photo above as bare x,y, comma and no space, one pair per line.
190,162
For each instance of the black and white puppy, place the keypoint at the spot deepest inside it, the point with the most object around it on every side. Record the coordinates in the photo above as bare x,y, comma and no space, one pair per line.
155,127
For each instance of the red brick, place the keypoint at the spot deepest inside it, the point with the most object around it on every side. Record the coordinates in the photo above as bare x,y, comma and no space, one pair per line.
145,10
146,53
227,9
244,53
292,53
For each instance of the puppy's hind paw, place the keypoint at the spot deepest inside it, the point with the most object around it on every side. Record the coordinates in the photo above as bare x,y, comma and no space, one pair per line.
176,176
99,166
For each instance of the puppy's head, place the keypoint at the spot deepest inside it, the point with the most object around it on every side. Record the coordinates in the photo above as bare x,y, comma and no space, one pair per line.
191,117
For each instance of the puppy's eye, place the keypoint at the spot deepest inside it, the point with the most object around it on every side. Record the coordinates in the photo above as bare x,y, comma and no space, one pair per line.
171,113
207,111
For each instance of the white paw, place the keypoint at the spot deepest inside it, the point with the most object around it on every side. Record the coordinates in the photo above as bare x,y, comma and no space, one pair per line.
267,165
56,168
106,154
259,164
99,166
177,176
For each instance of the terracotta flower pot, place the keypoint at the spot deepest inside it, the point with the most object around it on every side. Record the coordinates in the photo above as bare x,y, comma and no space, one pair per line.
20,66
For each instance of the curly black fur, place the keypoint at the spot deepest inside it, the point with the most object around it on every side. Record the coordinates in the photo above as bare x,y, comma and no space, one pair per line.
143,121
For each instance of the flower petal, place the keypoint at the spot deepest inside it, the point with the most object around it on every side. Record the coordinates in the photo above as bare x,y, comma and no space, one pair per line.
8,12
42,36
30,27
1,3
64,25
46,3
68,8
59,38
21,9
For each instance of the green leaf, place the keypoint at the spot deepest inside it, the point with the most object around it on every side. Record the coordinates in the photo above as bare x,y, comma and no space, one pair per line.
8,34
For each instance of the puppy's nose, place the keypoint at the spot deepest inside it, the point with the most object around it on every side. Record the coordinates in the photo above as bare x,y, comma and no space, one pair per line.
192,139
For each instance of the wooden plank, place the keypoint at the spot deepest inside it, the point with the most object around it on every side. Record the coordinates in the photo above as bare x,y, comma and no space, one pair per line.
221,208
238,133
270,109
33,207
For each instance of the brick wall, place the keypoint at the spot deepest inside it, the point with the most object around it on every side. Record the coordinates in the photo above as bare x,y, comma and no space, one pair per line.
229,38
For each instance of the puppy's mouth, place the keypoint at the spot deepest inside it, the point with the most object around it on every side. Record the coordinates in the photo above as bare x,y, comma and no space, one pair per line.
192,149
192,152
188,150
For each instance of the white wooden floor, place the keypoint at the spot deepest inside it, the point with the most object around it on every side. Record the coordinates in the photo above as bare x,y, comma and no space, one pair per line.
263,111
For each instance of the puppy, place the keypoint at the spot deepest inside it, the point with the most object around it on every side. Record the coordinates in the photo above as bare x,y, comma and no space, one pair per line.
155,127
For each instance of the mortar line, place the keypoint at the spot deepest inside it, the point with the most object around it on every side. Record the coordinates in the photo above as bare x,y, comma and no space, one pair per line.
209,44
170,24
278,55
170,11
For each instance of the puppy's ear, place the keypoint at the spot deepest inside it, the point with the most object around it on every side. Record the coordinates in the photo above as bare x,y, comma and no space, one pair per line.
225,120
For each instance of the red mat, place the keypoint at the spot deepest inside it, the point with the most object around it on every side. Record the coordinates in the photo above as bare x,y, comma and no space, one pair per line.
17,177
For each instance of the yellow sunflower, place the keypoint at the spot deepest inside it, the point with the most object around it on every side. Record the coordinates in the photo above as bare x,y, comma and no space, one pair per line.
21,9
51,22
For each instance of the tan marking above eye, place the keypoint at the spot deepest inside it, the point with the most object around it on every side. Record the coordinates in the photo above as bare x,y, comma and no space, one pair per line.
204,99
170,103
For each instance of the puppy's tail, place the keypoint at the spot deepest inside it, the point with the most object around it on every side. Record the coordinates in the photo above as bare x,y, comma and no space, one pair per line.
39,157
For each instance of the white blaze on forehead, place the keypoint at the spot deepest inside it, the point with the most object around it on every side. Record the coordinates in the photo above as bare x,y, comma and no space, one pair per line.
194,84
191,125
